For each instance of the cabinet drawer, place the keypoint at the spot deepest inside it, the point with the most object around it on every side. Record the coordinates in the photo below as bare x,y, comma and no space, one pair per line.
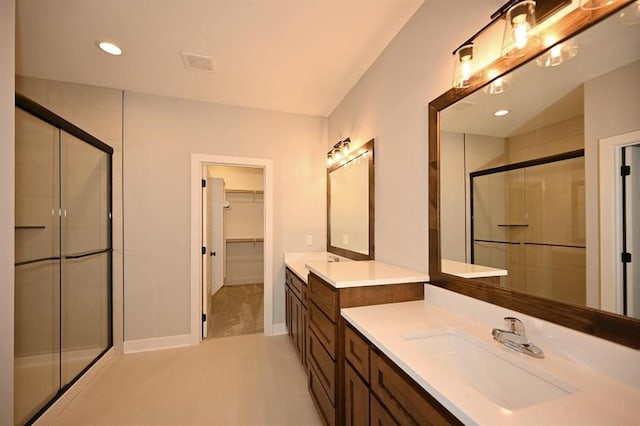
295,284
403,398
379,415
324,296
323,365
356,351
321,400
356,397
325,330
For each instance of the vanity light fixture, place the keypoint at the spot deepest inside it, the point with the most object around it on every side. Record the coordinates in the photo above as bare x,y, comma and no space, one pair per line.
498,85
520,29
501,112
558,54
463,57
595,4
520,35
339,152
108,47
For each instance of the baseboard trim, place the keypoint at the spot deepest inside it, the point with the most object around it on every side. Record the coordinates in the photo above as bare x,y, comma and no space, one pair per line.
157,343
57,407
279,328
258,279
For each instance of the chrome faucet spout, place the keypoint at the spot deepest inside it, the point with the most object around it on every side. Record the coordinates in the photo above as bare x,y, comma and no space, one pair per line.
515,338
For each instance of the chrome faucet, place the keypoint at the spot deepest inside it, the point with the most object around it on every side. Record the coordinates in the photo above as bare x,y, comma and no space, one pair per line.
515,338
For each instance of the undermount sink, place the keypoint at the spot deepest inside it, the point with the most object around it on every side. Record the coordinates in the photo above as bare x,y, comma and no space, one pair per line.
495,373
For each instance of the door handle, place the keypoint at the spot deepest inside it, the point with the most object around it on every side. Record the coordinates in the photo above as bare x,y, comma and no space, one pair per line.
213,253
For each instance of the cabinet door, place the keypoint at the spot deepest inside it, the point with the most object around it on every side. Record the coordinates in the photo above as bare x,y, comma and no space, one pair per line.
296,321
356,396
379,415
287,308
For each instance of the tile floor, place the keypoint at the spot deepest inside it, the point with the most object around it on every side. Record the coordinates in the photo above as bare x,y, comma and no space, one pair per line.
241,380
237,310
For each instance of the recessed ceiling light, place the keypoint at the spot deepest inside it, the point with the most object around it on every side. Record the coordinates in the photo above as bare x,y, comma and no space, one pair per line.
501,112
109,48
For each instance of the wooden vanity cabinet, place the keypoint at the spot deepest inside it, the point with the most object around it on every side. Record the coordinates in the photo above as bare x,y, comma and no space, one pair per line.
296,313
384,394
326,342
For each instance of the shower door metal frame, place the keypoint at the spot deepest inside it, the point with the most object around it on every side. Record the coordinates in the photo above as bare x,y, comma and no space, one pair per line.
509,167
44,114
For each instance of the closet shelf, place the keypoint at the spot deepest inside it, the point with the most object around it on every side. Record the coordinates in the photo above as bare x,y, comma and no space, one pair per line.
245,240
244,191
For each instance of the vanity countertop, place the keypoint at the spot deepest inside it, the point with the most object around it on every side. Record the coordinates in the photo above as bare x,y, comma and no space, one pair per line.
597,399
297,262
364,273
469,270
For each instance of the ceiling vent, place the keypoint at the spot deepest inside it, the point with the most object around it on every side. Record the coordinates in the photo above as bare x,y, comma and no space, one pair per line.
198,62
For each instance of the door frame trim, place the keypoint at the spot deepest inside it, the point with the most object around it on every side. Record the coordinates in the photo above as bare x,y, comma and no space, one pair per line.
610,187
197,163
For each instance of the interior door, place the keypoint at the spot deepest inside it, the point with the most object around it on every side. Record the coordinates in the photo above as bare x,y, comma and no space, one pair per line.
631,231
206,265
217,233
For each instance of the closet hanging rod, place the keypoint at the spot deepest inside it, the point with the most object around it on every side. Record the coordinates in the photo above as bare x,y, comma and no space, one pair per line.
245,240
244,191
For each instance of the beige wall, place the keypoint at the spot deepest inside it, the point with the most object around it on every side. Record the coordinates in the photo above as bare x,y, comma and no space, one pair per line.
7,179
389,104
611,107
160,136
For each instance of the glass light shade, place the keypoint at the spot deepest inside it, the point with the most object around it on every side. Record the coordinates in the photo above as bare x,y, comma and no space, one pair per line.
329,160
520,30
337,155
595,4
462,69
345,146
558,54
631,14
498,85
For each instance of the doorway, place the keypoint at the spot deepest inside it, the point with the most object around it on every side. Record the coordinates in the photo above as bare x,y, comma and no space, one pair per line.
234,259
233,263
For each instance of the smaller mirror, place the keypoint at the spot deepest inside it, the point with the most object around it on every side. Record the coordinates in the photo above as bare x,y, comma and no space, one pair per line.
350,205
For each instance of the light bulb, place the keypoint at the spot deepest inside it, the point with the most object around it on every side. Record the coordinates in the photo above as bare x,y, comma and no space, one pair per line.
329,160
462,67
345,147
337,155
498,85
521,29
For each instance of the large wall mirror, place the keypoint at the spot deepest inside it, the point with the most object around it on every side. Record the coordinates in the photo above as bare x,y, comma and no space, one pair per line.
526,185
350,205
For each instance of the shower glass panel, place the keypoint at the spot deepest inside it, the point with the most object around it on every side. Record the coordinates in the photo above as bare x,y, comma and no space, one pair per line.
85,261
530,220
37,272
62,256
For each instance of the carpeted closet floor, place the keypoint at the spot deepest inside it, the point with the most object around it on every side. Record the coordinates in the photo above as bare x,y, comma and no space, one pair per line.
237,310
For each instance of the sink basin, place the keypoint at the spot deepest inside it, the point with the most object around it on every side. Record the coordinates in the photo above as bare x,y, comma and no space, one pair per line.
496,374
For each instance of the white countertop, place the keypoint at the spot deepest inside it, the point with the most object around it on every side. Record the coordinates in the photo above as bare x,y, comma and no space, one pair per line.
598,400
297,261
469,270
364,273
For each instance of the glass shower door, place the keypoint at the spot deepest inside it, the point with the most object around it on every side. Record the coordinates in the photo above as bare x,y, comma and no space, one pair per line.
85,294
37,267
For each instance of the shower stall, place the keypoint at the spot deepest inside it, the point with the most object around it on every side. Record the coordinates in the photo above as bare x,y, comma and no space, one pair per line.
63,319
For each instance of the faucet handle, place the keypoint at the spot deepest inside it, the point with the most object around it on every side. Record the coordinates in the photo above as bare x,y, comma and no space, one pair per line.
515,326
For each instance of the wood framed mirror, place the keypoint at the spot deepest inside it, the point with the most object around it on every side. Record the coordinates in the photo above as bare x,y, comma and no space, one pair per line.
459,110
351,204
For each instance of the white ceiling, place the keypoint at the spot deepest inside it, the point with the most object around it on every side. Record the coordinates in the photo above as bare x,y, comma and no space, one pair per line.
300,56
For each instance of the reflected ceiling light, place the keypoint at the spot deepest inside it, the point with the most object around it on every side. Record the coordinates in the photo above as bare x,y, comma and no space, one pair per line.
501,112
109,48
631,15
595,4
558,54
520,29
462,66
498,85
